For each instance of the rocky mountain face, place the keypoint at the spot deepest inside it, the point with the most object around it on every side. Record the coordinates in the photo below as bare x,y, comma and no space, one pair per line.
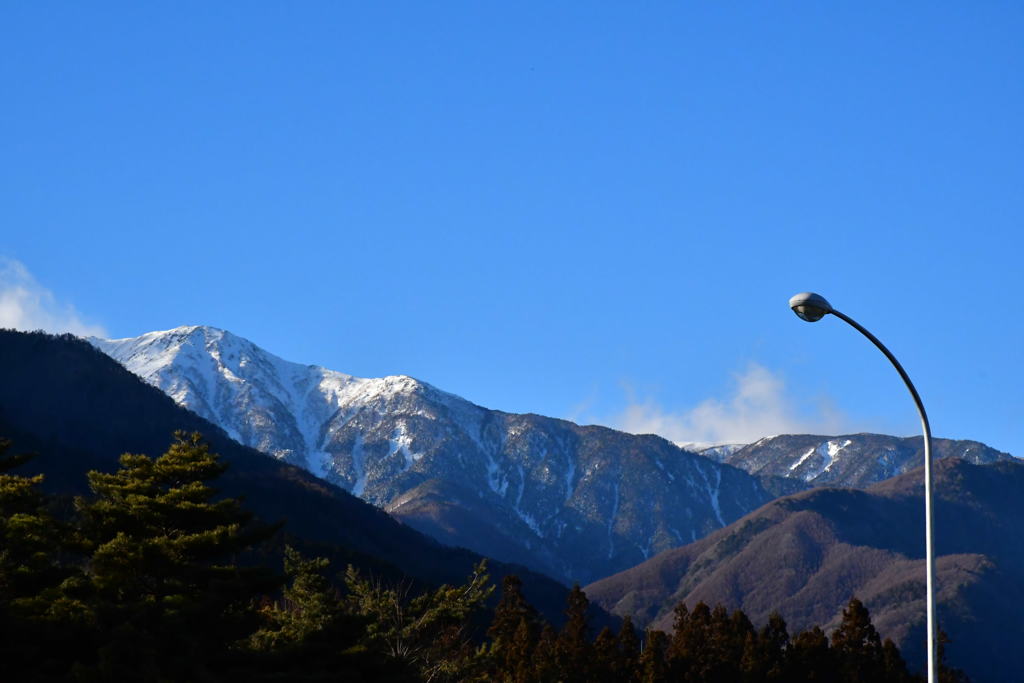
852,460
806,554
79,410
574,502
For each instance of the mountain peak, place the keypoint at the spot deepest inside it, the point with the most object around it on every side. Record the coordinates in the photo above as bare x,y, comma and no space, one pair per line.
260,399
179,332
856,460
575,502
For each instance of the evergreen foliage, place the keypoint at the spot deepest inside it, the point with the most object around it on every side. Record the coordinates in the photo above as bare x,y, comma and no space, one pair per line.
310,608
653,662
142,582
857,646
606,657
37,615
26,533
545,667
430,632
574,651
167,595
310,634
764,657
810,658
629,653
513,633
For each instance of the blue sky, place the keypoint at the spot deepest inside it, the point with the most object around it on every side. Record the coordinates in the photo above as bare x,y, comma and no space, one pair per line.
588,210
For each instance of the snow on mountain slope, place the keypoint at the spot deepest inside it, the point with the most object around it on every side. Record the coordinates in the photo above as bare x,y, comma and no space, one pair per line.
285,409
575,502
854,460
719,452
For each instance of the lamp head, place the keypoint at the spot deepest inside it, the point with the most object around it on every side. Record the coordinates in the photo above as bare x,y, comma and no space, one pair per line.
810,306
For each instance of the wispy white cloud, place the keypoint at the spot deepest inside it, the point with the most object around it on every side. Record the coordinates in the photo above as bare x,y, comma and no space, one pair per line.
25,304
758,406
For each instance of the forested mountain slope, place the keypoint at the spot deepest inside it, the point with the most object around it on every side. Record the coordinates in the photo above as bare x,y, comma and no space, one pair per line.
80,410
806,554
574,502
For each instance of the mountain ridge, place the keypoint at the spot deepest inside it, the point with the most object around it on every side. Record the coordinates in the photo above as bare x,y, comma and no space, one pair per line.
575,502
850,460
805,554
79,410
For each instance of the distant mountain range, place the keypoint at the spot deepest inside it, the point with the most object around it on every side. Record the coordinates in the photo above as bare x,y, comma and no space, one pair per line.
545,493
574,502
577,503
806,554
853,460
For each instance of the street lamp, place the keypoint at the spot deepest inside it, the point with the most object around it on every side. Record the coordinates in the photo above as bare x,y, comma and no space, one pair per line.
812,308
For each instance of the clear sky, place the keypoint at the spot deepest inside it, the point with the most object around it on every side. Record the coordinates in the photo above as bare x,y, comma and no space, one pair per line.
592,210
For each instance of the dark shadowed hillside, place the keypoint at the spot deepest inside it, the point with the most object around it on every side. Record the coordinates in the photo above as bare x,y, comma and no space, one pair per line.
807,553
80,410
570,501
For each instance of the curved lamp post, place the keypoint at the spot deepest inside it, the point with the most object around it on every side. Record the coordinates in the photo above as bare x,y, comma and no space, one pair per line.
812,308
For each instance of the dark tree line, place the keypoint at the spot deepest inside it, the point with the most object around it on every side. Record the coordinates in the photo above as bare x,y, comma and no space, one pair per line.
141,581
707,645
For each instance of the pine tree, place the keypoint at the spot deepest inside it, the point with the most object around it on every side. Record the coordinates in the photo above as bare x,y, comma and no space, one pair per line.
607,658
894,666
29,536
678,650
524,643
752,665
857,646
574,651
311,609
429,632
545,667
513,631
694,652
810,658
629,647
772,645
168,596
308,634
712,645
730,636
44,627
653,663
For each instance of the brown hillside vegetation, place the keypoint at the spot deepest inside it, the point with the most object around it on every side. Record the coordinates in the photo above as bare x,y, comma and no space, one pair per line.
805,555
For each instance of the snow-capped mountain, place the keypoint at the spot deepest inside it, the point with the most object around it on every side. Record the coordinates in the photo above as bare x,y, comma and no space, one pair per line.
575,502
853,460
715,451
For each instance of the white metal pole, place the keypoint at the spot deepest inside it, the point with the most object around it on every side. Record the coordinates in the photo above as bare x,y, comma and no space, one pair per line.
929,517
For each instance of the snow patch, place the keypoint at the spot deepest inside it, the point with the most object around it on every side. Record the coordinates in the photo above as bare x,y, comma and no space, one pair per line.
828,453
713,492
570,474
833,450
359,466
400,442
802,460
316,463
529,521
661,466
493,473
611,519
522,487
